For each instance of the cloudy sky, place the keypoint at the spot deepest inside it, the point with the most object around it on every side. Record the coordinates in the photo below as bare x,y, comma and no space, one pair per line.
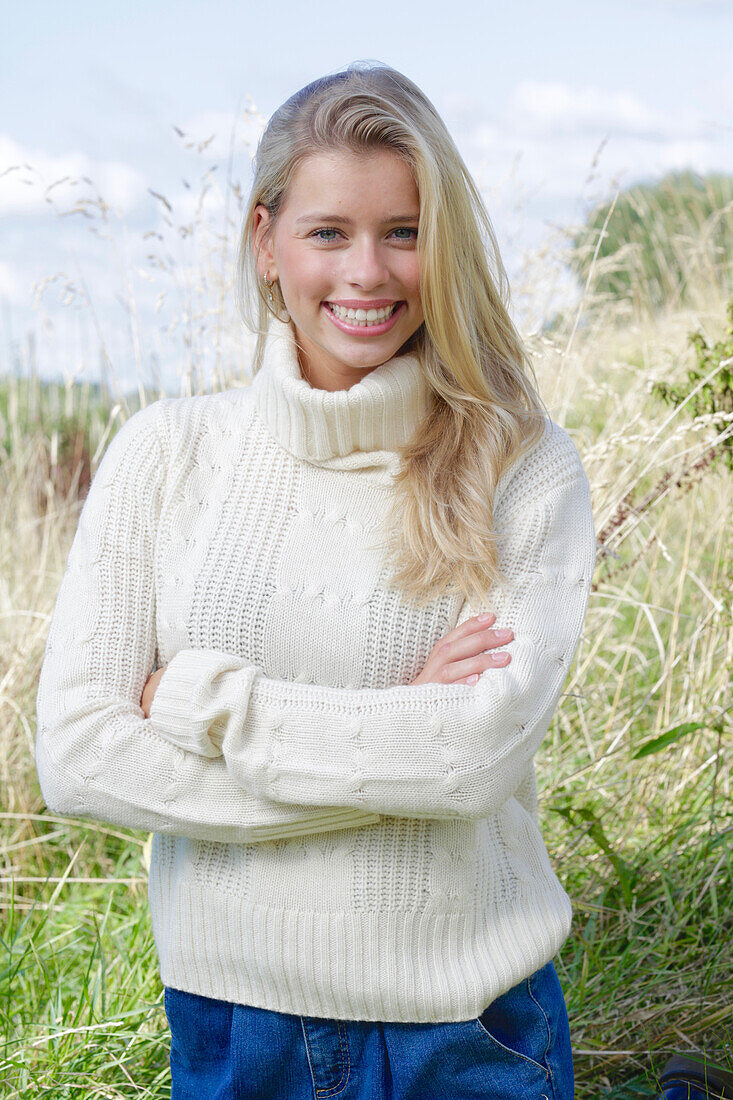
125,125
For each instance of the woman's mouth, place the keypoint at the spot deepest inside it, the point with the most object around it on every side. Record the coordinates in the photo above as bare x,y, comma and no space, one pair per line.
364,322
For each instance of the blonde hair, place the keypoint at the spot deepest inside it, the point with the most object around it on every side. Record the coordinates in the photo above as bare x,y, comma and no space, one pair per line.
486,409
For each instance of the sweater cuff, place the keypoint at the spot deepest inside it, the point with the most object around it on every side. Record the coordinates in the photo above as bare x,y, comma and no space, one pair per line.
182,710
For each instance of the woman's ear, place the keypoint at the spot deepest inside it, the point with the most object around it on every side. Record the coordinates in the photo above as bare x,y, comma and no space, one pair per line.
262,243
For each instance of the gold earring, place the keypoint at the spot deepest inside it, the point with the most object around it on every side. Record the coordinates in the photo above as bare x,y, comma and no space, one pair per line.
269,283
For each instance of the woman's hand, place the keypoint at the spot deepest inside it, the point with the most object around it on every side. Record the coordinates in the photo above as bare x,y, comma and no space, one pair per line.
150,688
460,656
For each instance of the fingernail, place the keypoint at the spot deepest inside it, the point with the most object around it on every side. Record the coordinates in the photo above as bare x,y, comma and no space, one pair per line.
504,634
472,679
500,658
486,615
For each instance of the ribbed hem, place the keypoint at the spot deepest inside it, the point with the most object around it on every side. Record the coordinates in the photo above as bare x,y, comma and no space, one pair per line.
401,967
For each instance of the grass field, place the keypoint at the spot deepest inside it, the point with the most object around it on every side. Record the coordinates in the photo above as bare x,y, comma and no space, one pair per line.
639,831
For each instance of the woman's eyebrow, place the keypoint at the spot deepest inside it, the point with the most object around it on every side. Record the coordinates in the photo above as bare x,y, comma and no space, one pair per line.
339,219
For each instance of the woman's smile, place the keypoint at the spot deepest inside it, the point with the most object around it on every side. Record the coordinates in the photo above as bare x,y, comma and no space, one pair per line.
364,321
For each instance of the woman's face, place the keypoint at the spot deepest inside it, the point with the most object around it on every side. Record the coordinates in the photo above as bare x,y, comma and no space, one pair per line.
345,239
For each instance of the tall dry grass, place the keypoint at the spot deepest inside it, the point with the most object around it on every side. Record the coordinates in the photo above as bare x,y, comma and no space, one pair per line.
640,838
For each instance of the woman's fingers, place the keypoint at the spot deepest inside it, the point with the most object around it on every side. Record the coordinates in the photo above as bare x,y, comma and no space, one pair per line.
462,653
466,649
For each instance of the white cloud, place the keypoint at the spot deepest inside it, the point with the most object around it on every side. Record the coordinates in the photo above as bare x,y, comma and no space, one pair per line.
560,109
33,181
559,141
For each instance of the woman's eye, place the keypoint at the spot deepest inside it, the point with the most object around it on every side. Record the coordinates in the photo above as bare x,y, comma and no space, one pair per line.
317,234
406,229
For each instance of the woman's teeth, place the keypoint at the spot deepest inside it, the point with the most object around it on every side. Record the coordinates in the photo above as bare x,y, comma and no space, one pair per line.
362,316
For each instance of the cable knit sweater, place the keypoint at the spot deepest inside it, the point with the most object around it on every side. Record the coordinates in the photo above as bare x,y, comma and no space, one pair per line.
330,840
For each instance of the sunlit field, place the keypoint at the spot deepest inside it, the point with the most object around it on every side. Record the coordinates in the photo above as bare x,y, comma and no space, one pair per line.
634,774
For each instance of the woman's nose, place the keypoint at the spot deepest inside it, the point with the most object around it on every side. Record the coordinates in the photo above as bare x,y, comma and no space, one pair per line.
366,266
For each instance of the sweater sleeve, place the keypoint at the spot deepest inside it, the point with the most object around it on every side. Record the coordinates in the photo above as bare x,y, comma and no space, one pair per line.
96,754
426,750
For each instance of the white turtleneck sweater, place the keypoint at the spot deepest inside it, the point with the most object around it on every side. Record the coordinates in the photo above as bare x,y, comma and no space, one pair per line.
330,840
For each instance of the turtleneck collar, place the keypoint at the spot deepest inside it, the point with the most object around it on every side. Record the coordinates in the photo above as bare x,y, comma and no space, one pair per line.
342,429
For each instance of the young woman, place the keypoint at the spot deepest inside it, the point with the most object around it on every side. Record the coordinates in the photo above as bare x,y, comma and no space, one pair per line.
362,579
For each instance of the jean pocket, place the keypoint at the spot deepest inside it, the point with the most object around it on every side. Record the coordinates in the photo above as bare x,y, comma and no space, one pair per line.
518,1026
510,1051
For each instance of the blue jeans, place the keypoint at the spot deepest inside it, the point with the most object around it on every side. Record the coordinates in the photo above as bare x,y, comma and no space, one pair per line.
517,1049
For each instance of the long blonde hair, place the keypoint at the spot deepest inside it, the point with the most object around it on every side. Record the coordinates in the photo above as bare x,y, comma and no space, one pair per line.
486,409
